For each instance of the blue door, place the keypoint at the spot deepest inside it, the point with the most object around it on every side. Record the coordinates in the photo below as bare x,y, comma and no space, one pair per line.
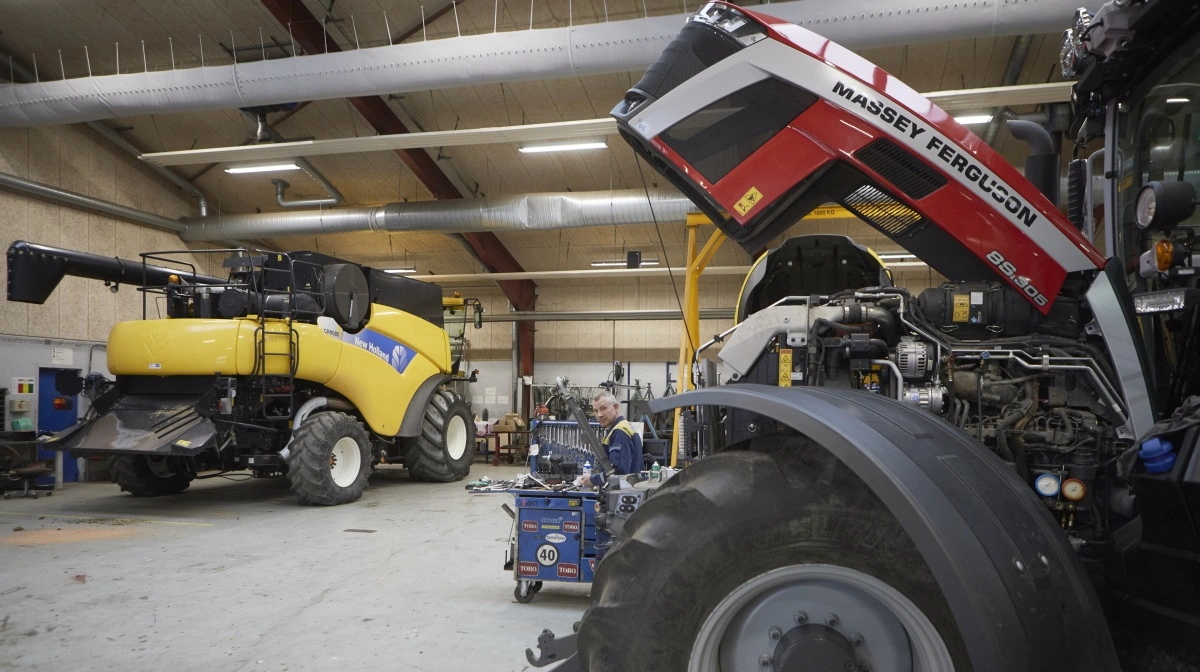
52,419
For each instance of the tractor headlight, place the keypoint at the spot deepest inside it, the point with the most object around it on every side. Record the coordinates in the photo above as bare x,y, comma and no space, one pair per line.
1073,48
1162,205
729,20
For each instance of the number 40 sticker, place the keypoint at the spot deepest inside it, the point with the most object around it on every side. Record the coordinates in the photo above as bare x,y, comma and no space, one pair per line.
547,555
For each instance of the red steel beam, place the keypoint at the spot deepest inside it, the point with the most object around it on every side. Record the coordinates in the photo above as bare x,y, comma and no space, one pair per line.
309,33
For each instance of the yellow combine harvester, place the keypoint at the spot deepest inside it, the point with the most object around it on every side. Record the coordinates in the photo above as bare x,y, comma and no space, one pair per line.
298,364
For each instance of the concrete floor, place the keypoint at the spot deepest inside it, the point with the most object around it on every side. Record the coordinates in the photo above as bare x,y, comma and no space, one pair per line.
239,576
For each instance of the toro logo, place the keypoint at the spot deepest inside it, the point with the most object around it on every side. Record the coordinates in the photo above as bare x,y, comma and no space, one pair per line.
592,564
568,571
527,568
529,526
570,526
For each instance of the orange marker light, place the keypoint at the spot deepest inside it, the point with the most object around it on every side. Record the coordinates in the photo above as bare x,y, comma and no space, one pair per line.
1164,251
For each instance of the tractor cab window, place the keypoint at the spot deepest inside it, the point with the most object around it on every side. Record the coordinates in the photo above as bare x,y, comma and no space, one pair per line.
719,137
1158,141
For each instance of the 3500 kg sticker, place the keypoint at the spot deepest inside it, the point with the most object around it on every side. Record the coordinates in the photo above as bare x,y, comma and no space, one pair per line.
1008,270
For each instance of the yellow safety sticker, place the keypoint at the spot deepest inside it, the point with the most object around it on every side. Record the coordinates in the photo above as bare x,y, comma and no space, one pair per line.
785,367
962,308
748,201
183,443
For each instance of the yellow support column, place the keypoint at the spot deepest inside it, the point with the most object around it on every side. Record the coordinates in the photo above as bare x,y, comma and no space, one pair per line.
690,339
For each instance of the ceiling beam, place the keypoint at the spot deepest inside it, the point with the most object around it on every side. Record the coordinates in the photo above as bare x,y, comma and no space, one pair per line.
309,33
949,101
592,129
579,274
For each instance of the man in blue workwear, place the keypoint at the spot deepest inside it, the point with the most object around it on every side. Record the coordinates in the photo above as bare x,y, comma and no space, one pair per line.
620,441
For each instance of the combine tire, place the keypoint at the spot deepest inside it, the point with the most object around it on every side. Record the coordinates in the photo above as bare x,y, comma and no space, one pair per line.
147,476
445,449
772,558
331,459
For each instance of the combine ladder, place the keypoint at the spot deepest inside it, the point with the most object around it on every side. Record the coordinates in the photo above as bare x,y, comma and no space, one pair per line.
276,320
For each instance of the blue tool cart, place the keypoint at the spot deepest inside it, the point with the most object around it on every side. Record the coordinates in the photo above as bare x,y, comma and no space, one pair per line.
554,539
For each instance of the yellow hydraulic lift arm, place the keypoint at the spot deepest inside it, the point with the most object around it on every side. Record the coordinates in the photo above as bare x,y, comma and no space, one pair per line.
690,340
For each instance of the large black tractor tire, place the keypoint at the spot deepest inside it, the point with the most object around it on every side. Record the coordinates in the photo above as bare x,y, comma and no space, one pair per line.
150,476
330,459
446,447
742,528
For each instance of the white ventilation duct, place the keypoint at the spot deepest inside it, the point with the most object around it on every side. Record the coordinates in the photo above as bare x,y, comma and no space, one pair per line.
600,48
529,212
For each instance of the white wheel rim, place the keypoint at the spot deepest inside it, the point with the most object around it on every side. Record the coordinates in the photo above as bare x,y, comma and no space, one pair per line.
456,437
344,462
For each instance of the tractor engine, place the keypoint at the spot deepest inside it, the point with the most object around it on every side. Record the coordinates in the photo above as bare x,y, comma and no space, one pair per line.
1027,385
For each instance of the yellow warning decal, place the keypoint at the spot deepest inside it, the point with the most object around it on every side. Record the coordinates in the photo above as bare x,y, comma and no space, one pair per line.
748,201
183,443
962,308
785,367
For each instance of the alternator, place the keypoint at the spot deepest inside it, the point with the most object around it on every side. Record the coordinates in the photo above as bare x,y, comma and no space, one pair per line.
913,358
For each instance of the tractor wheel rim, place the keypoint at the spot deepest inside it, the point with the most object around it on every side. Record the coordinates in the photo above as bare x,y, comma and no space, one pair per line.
782,618
456,437
344,462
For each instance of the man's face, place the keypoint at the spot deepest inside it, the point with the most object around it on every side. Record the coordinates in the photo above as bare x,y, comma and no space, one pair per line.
606,414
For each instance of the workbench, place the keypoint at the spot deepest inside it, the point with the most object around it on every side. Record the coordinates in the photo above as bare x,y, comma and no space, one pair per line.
511,450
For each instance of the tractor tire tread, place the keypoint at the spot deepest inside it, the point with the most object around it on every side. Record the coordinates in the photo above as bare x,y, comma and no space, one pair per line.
308,469
731,516
133,474
426,456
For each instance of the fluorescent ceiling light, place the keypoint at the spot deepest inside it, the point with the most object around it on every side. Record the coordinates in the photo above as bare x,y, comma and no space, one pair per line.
563,146
1179,101
265,168
400,271
621,263
968,119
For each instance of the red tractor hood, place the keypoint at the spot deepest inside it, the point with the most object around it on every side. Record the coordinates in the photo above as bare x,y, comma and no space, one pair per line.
760,121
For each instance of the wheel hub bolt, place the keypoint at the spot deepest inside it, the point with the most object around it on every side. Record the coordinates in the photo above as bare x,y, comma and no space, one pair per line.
1020,566
801,618
832,620
776,633
849,666
764,660
856,639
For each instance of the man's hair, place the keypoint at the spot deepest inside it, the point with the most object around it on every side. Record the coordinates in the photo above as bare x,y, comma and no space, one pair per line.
606,397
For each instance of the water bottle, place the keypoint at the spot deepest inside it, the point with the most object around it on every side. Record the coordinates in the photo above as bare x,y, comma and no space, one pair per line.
587,468
655,472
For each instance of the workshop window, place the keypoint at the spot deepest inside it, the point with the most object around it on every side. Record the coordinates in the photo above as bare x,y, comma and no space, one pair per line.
722,135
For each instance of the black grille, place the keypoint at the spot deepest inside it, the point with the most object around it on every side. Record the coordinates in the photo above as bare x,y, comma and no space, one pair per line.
881,210
894,164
